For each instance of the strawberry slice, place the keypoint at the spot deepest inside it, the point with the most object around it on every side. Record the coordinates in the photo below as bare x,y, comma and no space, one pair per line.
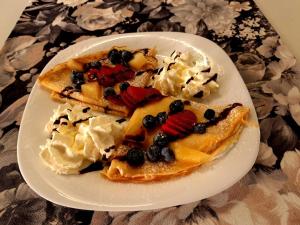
180,124
172,132
179,128
125,75
141,95
127,100
109,76
116,99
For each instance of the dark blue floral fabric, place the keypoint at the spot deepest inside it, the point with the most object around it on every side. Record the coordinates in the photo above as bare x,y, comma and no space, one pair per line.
268,194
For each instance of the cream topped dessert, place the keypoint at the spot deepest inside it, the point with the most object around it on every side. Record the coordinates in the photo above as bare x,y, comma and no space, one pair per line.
79,137
186,75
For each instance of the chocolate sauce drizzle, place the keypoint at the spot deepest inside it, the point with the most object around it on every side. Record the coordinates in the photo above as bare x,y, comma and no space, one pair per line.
169,66
121,120
57,121
81,120
67,91
213,78
189,80
85,110
96,166
223,115
206,70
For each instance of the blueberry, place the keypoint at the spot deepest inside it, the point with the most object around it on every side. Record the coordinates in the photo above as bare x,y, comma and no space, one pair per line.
126,56
176,106
109,91
167,154
162,117
149,122
115,56
93,65
200,128
154,153
77,76
135,157
161,139
209,114
78,85
124,85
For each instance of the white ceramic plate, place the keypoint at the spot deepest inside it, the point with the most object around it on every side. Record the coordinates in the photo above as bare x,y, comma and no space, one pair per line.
91,191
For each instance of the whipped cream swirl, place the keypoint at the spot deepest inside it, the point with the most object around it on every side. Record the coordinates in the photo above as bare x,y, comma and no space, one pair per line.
187,76
79,137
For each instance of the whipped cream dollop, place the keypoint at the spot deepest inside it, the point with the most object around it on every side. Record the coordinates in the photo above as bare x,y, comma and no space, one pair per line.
79,137
187,76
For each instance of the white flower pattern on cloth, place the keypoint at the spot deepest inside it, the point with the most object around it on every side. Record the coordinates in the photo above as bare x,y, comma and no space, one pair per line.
268,194
217,15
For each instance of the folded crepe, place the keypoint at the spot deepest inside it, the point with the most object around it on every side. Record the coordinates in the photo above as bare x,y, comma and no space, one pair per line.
190,152
59,82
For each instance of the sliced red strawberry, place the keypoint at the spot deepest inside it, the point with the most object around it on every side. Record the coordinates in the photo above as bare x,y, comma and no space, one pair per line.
127,100
141,95
180,123
179,128
116,99
125,75
106,81
170,131
118,68
104,71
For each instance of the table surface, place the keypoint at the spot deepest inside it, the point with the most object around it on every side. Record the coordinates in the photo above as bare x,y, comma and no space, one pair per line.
268,194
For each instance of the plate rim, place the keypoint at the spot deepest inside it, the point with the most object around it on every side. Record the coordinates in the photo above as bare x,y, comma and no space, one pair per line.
89,44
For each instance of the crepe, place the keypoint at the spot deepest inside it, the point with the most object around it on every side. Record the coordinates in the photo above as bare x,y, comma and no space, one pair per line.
190,152
58,80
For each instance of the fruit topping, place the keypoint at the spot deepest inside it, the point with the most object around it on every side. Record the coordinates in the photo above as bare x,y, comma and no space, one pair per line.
180,124
149,122
200,128
92,65
209,114
126,57
115,56
167,154
109,76
77,79
176,106
137,96
154,153
109,91
116,99
162,117
135,157
161,139
127,100
123,86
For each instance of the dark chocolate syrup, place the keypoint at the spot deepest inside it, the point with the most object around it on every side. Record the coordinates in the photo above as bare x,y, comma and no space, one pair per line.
223,115
206,70
67,91
121,120
199,94
109,148
159,71
189,80
213,78
169,66
96,166
85,110
79,121
57,121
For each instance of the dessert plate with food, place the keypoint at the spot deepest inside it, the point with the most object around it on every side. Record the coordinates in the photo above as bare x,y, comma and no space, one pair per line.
127,122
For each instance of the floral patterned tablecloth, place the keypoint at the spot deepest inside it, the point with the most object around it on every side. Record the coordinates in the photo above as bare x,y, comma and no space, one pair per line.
268,195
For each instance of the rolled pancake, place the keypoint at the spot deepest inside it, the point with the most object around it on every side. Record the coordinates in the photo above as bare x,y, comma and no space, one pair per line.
190,152
58,80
